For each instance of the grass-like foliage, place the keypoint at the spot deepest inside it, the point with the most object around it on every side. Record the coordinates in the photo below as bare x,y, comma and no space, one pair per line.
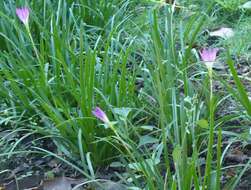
111,81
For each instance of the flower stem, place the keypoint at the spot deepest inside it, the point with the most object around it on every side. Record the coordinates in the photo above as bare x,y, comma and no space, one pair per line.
43,77
32,42
207,177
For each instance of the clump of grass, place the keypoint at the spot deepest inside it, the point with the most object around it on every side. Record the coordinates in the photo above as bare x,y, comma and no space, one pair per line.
72,56
68,76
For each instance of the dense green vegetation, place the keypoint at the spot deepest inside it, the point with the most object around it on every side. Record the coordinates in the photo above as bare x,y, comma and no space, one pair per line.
170,120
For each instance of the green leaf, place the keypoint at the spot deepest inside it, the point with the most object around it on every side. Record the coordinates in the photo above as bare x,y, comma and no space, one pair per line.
123,112
242,93
147,127
177,153
147,162
147,140
117,165
203,123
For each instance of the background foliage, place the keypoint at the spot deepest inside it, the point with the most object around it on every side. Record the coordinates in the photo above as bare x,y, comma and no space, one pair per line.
139,62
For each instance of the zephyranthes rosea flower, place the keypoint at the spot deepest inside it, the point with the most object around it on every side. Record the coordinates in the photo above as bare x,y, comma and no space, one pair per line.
100,114
23,14
208,56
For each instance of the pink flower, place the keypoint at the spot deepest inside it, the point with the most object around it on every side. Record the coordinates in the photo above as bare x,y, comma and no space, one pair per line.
23,14
100,114
208,54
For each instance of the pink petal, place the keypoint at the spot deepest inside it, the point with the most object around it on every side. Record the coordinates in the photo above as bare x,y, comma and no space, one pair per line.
100,114
23,14
209,54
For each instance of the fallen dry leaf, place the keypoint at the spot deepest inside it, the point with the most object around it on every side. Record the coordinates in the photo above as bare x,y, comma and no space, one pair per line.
109,185
223,33
27,183
237,156
61,183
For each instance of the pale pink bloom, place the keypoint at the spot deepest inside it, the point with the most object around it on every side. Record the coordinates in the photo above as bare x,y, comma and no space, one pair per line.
23,14
100,114
209,54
